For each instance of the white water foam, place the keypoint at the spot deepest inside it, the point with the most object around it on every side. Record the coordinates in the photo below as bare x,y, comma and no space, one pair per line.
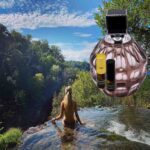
131,134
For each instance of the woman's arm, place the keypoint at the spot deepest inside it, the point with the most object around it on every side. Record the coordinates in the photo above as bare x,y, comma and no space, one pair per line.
77,116
61,113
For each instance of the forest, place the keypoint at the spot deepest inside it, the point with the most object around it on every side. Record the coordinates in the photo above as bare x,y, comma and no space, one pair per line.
30,73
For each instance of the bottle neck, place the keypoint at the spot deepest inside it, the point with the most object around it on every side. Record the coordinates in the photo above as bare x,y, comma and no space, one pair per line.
118,38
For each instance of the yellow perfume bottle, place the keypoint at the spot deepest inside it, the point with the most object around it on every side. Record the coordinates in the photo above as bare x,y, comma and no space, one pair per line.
101,69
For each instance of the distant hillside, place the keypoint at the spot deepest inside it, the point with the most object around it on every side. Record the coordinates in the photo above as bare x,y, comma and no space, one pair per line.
84,66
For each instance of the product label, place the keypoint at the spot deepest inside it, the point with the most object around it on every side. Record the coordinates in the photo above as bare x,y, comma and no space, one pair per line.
101,63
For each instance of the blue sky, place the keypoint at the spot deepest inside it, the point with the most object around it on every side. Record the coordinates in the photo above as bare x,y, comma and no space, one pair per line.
68,24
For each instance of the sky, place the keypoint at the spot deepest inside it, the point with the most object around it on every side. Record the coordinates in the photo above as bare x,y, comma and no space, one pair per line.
69,24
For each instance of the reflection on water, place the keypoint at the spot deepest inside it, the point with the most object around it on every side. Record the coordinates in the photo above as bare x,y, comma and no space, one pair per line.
67,137
90,136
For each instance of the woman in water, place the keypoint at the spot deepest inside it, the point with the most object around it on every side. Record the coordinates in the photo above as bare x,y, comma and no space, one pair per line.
68,110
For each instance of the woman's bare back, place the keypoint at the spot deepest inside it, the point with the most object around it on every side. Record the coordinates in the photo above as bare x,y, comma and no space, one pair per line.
69,111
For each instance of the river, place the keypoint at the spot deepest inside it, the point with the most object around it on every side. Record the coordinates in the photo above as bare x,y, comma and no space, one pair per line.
132,126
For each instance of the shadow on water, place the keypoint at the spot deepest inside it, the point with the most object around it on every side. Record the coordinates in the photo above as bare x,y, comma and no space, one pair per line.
91,136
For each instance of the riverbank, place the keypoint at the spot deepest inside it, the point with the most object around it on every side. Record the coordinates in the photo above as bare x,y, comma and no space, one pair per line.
94,135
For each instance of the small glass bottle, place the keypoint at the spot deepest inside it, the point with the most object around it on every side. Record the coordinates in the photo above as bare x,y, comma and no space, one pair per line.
101,69
110,75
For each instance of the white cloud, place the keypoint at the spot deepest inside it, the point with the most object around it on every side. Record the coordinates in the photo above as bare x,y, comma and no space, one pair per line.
44,15
79,34
66,45
6,3
35,39
36,20
70,51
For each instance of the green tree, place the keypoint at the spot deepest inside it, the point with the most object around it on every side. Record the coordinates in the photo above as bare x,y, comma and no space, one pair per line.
142,96
138,18
27,71
86,93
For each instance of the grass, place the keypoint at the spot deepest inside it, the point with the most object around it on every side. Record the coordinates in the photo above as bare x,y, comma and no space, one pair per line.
10,138
111,136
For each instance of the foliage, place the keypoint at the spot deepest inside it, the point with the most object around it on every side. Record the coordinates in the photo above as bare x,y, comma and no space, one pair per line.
72,68
29,76
86,93
142,96
140,99
57,100
84,66
10,138
30,73
111,136
1,128
39,77
138,18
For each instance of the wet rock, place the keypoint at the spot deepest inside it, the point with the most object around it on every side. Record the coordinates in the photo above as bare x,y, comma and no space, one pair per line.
93,135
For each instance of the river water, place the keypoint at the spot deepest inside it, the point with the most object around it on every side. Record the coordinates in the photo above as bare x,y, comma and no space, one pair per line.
97,133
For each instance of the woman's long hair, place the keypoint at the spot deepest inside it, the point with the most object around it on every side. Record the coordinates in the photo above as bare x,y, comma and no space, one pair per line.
68,96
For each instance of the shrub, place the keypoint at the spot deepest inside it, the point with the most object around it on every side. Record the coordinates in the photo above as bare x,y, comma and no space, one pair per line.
10,138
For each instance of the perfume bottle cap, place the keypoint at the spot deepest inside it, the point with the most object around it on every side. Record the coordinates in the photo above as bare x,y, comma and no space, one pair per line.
116,21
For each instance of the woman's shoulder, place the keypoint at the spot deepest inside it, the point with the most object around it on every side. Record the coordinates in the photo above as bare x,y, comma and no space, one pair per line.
62,103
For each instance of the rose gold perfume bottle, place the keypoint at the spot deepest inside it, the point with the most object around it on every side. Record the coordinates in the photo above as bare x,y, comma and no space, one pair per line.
130,59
